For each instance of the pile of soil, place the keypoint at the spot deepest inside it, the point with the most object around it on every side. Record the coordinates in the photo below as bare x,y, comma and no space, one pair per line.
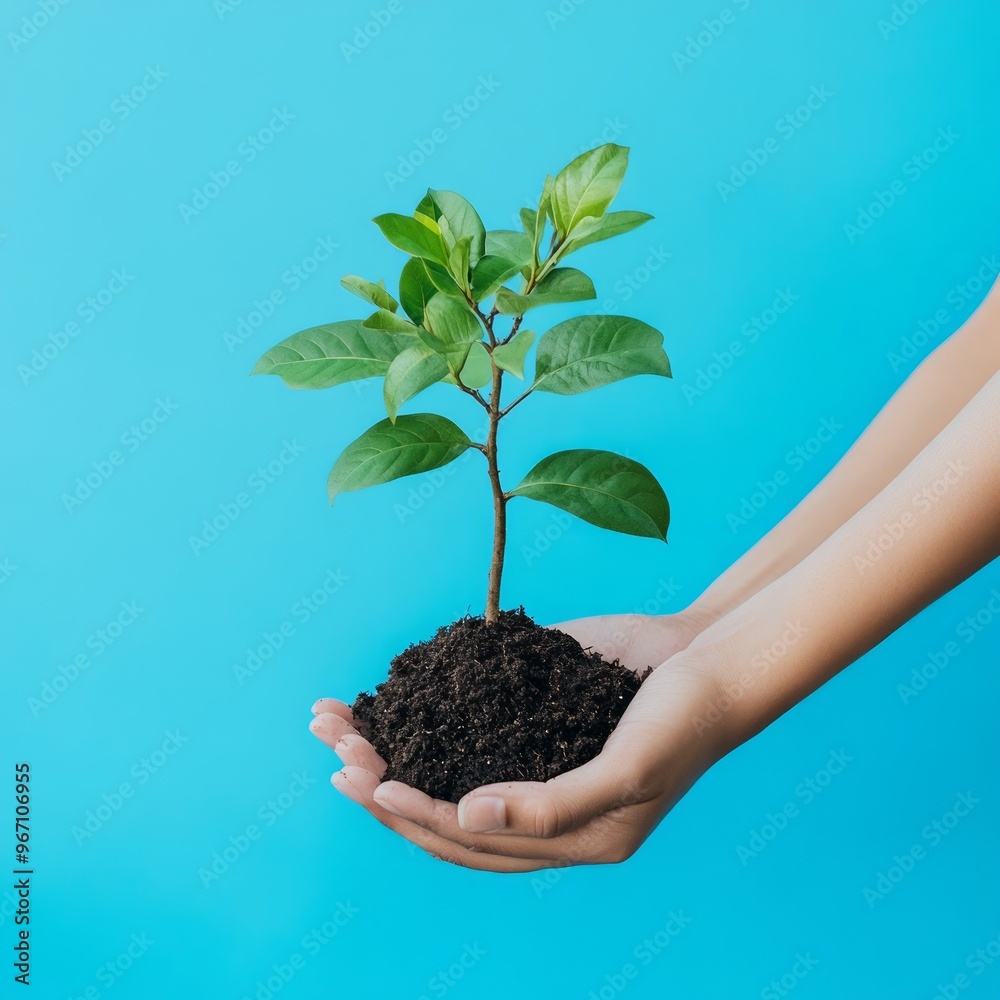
478,703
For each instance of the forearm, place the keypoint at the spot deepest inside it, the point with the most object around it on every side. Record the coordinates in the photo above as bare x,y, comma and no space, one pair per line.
920,410
934,525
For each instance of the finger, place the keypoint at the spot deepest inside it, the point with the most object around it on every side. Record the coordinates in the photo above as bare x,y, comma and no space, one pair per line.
544,810
481,823
356,751
334,706
359,785
331,728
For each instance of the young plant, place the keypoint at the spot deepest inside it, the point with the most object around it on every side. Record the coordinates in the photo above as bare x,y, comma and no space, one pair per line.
448,333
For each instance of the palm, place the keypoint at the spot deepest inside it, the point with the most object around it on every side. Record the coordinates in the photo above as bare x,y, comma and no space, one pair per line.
629,778
637,641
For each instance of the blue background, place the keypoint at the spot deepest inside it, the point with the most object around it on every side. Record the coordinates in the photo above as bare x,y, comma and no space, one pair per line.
561,82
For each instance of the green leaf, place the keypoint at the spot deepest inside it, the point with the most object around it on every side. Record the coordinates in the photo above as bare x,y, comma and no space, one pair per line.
612,224
510,356
451,323
533,220
382,319
564,284
442,280
413,236
591,351
370,292
411,372
603,488
587,185
416,442
490,273
529,220
477,370
415,289
332,354
459,262
426,207
463,220
509,243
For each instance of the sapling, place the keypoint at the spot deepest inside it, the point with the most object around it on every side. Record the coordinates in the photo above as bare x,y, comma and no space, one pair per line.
463,324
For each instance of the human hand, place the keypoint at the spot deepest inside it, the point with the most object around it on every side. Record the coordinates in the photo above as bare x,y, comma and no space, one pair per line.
598,813
637,641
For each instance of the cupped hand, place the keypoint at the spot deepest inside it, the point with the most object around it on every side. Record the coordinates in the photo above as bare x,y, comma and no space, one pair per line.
637,641
598,813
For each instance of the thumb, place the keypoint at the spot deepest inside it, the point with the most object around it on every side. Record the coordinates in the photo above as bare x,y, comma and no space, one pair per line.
542,809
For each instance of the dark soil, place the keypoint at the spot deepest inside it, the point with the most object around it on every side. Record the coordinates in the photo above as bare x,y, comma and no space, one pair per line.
479,703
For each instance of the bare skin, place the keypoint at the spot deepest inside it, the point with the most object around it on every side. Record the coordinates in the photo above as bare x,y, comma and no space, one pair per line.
911,510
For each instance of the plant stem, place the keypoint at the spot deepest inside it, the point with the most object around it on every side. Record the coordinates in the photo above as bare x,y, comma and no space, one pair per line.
495,415
499,501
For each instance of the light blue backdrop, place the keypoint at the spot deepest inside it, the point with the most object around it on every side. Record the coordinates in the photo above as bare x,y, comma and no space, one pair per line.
186,233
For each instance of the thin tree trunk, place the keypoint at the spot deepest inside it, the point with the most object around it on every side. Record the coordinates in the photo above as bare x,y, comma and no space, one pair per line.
499,503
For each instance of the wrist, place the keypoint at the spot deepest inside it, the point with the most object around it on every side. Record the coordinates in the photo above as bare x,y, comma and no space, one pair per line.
729,692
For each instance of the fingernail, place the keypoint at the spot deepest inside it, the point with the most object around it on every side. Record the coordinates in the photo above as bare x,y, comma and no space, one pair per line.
316,707
482,814
383,797
342,745
342,783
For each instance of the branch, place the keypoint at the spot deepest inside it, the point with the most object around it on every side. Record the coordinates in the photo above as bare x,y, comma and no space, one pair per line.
513,330
487,321
474,393
524,395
